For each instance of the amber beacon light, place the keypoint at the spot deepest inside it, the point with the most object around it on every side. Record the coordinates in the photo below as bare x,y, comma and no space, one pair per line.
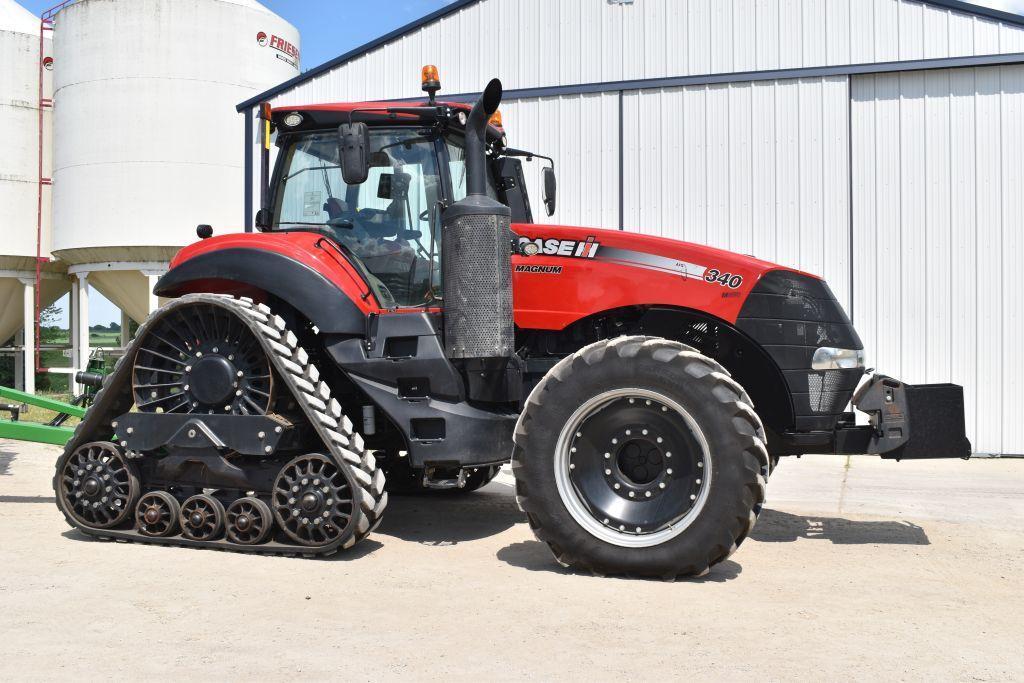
431,81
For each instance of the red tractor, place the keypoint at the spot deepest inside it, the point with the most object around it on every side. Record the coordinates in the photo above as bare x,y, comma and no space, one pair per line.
400,323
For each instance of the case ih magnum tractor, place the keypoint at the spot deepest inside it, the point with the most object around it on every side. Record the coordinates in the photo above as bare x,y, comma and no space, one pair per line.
400,323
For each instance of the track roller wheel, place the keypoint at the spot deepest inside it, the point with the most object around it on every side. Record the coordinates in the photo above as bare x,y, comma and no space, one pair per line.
202,518
157,514
249,521
97,485
312,501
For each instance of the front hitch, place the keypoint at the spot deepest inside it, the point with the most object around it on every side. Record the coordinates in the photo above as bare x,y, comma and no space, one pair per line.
907,421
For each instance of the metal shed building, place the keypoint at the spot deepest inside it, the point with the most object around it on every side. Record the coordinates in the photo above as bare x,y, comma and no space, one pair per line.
878,143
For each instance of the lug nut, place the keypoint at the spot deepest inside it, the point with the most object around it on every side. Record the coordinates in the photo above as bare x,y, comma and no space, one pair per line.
644,432
617,487
240,374
607,471
130,430
277,430
700,464
238,393
648,494
607,456
638,530
648,401
186,387
632,494
661,485
668,471
614,440
215,349
660,439
632,401
268,449
628,432
295,489
305,481
199,354
260,435
698,481
693,497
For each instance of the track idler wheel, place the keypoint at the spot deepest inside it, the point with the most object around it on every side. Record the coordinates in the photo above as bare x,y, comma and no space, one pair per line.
249,521
98,486
312,500
202,518
157,514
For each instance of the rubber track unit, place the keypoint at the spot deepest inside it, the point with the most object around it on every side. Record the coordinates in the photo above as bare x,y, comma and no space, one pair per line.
721,385
344,446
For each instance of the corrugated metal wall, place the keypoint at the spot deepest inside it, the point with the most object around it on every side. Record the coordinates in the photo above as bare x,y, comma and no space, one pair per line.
764,168
534,43
938,210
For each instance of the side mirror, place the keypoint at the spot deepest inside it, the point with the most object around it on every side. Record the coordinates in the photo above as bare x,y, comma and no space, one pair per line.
550,189
354,152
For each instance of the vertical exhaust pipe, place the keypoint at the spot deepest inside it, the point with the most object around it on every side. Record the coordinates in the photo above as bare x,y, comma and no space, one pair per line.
476,253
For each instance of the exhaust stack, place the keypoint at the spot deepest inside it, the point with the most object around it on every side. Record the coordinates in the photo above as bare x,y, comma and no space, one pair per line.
476,253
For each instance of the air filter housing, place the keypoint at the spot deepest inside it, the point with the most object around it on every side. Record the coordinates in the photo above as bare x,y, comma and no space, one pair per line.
476,261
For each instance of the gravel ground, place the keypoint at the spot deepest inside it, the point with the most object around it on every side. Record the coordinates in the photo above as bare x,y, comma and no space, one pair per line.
858,569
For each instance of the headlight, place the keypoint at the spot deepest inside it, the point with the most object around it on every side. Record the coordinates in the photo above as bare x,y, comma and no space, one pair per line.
829,358
293,119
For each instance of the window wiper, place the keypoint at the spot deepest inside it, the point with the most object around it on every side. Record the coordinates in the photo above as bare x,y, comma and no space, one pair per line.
311,168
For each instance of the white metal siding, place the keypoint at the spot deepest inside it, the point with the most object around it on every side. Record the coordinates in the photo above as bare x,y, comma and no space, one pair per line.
536,43
756,168
937,207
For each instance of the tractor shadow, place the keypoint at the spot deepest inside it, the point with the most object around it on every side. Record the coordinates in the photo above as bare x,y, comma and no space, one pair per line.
535,556
775,526
442,519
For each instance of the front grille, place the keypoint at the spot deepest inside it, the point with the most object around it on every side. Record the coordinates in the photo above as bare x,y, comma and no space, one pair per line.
791,316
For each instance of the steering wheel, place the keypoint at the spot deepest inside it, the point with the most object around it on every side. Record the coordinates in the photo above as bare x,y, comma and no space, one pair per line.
425,215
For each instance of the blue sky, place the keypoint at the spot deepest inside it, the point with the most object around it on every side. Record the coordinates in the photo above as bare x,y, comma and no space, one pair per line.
332,27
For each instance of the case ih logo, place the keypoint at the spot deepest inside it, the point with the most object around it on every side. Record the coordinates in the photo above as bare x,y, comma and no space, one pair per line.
554,247
286,51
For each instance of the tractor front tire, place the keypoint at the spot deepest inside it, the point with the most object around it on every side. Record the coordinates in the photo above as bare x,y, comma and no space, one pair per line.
640,456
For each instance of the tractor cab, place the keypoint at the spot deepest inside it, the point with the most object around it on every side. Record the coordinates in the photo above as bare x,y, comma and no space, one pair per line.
376,177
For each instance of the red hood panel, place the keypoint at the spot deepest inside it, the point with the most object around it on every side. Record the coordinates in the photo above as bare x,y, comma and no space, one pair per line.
578,272
582,271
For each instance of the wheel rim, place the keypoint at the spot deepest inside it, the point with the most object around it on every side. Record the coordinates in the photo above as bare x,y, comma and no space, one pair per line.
202,359
98,485
201,517
157,514
249,521
632,467
312,500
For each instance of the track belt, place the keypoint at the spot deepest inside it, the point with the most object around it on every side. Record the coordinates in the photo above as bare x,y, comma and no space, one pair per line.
341,443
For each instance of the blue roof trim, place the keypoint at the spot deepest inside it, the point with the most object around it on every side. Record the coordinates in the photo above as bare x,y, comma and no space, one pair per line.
954,5
748,76
986,12
452,8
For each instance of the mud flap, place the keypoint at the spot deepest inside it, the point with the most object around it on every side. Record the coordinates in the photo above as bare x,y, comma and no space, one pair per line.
914,421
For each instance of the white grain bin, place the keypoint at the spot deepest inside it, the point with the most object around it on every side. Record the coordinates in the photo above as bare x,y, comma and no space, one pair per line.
147,140
19,167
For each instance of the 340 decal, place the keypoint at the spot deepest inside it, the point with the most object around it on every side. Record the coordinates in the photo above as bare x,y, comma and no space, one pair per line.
724,279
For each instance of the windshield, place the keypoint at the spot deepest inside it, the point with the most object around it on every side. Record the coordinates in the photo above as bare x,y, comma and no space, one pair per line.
390,223
385,222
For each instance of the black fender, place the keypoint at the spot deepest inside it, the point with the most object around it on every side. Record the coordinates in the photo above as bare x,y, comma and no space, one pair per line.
240,271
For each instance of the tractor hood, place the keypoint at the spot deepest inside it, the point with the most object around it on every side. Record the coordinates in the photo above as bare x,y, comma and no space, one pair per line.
577,272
